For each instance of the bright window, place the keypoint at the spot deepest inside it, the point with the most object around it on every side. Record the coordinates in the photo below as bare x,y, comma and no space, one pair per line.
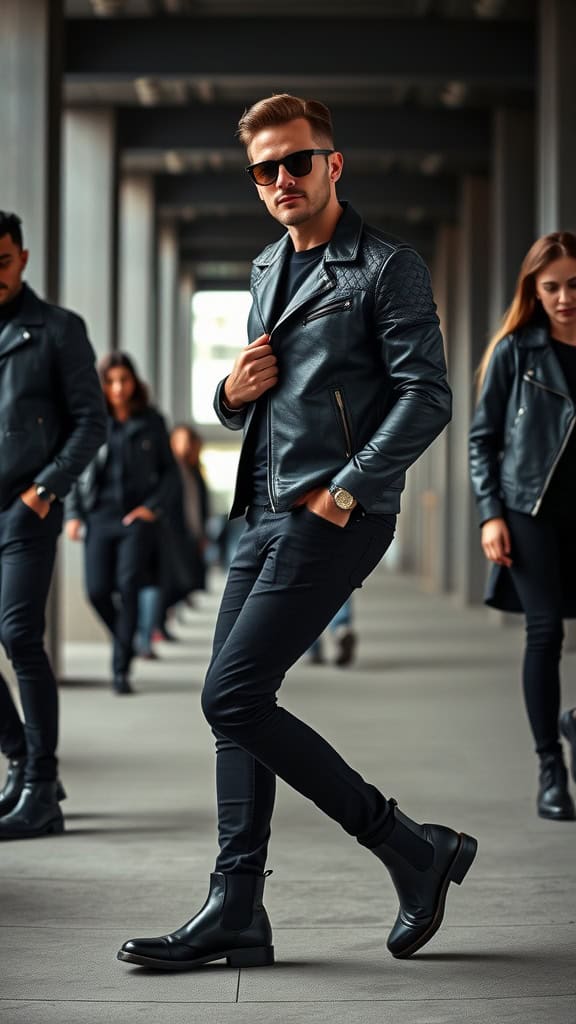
218,333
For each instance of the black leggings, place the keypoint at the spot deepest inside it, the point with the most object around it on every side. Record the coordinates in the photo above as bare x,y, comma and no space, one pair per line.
544,556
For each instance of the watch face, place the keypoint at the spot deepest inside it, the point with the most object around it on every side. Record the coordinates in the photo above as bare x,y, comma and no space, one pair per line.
343,499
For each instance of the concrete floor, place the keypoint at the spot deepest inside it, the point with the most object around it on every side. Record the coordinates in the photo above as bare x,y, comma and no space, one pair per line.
431,713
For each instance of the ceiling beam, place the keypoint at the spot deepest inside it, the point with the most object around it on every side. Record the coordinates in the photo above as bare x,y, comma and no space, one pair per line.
397,195
279,51
382,131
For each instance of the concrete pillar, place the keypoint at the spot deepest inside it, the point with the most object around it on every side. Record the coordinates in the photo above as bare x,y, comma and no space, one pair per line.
89,222
183,354
167,318
30,73
137,323
439,502
513,204
469,340
89,286
557,117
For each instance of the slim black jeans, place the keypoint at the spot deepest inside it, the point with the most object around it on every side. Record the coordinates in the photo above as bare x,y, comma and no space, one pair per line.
544,557
291,573
116,559
27,553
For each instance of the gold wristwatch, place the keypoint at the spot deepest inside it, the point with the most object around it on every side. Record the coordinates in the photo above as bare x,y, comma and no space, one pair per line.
342,498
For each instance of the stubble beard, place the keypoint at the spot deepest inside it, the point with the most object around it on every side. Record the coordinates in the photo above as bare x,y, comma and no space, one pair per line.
295,217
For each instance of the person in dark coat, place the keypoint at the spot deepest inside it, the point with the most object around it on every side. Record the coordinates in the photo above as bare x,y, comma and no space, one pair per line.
53,421
186,445
523,469
119,498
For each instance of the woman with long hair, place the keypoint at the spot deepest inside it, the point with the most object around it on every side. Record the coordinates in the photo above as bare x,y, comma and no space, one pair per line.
523,469
118,500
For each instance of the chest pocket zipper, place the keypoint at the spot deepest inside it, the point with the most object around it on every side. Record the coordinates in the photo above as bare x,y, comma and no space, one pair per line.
333,307
339,399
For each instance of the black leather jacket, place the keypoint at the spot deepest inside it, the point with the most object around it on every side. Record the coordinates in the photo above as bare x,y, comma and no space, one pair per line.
150,476
521,426
362,380
52,413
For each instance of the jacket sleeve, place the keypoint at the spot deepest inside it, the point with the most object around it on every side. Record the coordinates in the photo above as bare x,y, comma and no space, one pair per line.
166,493
408,332
232,419
73,508
486,436
83,406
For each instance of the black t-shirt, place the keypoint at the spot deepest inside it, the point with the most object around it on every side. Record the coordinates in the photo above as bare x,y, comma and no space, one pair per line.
295,273
561,490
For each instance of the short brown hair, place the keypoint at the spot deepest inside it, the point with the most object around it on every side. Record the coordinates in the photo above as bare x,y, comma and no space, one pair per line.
280,109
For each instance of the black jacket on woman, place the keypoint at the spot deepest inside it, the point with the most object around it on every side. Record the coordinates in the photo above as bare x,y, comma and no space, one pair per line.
522,424
150,474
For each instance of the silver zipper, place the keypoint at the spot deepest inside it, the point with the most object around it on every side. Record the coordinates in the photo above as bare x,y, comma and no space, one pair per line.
536,508
537,384
269,466
527,376
342,410
332,308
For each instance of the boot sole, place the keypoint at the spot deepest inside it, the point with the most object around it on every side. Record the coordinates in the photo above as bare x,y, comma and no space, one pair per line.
53,828
457,872
259,956
558,816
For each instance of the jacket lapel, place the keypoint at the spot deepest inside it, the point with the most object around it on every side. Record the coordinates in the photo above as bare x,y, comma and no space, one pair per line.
17,332
343,248
543,368
265,288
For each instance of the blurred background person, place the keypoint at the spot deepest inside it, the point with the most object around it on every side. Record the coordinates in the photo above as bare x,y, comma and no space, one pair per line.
184,568
118,499
344,637
523,469
186,445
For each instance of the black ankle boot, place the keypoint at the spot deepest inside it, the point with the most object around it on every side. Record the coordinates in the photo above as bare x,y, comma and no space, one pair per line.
568,730
232,925
554,800
10,794
121,685
422,861
37,813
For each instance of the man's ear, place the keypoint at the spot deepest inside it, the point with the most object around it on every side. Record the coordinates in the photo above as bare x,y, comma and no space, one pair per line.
24,257
336,166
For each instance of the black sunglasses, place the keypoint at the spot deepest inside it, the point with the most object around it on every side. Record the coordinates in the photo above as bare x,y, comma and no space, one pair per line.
297,164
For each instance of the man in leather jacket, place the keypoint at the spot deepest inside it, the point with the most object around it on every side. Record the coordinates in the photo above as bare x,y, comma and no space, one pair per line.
342,386
52,421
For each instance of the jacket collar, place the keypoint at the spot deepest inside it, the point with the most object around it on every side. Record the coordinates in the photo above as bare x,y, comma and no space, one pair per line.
534,335
16,332
546,369
31,313
342,248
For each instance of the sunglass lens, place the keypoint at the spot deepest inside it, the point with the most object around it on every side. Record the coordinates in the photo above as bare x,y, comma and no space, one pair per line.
266,172
298,164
